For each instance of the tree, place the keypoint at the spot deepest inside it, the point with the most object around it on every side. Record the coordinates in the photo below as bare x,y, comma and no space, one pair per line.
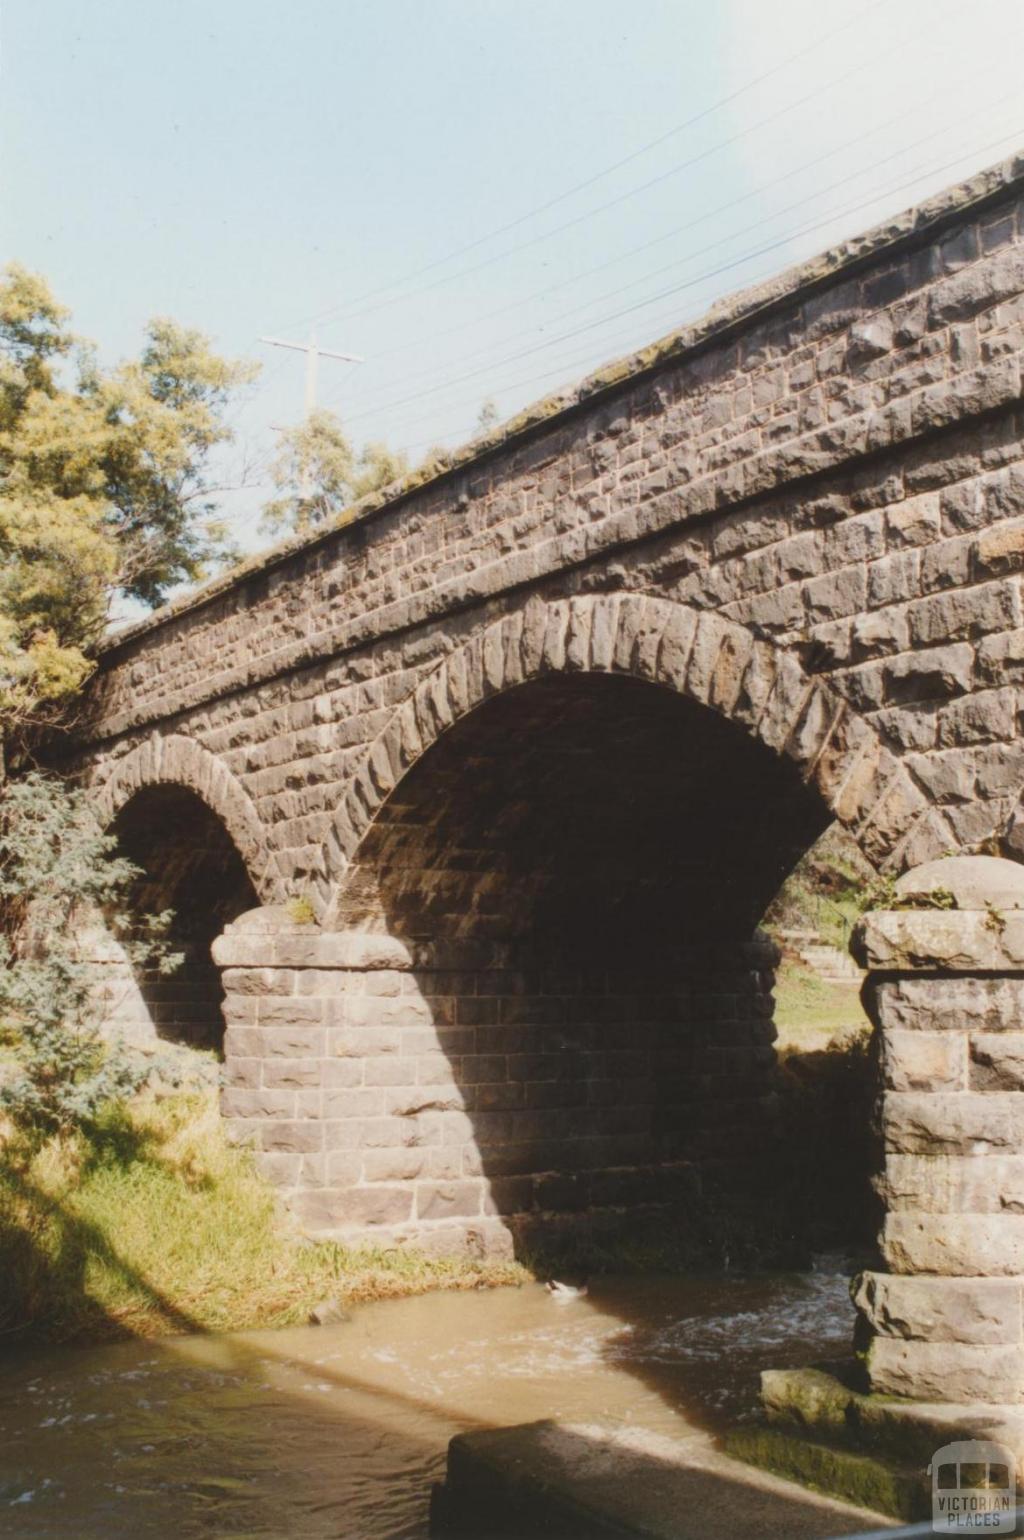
103,485
487,417
59,879
318,474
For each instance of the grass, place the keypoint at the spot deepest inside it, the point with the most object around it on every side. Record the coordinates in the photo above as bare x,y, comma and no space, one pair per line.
153,1223
810,1012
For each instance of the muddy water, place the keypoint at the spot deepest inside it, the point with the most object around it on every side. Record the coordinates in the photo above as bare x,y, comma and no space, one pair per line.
338,1431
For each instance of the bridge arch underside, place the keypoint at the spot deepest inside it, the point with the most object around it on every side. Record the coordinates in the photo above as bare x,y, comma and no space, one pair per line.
187,865
576,870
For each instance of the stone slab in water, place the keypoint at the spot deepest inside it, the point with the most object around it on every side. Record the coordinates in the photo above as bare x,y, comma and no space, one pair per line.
597,1482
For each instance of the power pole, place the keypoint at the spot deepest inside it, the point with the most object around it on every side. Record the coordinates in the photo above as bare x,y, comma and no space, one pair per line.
314,352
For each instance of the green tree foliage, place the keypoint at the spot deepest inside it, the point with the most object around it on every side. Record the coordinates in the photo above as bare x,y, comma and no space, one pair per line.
103,485
61,884
318,474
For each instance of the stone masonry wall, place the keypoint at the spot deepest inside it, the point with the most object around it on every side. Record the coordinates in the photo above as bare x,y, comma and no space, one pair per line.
946,992
832,463
798,527
467,1101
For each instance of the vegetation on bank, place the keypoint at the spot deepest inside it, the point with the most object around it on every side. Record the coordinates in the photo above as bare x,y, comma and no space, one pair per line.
150,1222
825,893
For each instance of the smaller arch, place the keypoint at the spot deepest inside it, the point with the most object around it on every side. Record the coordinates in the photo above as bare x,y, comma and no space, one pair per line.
180,761
697,653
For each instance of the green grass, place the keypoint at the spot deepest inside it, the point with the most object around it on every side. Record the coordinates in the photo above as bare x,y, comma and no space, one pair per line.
810,1012
153,1223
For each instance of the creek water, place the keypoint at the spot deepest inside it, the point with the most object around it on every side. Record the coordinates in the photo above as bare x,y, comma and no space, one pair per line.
319,1433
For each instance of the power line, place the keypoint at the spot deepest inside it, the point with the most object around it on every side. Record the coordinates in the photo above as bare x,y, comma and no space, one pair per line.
642,304
689,256
673,317
630,193
755,192
600,267
611,203
598,176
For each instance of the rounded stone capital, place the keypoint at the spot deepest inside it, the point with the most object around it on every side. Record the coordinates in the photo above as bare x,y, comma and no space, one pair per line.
973,882
962,914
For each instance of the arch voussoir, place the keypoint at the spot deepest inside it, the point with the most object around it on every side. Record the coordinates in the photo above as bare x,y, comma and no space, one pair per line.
699,654
176,760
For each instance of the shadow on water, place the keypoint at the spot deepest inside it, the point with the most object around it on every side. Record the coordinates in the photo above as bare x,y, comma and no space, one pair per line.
341,1431
325,1432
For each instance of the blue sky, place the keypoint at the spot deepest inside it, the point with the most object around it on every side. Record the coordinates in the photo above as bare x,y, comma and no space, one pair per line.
247,167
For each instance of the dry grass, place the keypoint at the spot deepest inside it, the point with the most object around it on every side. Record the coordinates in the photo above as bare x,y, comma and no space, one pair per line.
155,1224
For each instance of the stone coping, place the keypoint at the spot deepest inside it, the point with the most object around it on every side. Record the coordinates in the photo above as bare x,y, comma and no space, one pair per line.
913,226
953,940
974,882
311,948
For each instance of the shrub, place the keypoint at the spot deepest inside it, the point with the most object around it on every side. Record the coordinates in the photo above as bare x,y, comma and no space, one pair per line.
60,878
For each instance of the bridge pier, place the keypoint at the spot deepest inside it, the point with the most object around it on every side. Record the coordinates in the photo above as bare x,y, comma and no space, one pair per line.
455,1097
946,993
939,1328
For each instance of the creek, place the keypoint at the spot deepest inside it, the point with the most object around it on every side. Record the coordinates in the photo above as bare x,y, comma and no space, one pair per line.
319,1433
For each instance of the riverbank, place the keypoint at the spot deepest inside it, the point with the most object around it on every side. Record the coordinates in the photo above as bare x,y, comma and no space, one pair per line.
153,1224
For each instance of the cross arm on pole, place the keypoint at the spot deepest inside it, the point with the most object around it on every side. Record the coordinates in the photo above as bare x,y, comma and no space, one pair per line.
352,358
307,347
278,342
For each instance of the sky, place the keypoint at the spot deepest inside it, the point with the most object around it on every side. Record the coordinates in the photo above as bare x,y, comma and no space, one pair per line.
486,199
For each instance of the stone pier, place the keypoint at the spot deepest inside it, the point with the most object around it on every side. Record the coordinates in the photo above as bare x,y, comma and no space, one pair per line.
534,734
946,993
940,1353
453,1095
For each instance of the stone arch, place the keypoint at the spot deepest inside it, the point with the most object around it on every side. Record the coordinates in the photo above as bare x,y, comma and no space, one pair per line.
180,761
697,653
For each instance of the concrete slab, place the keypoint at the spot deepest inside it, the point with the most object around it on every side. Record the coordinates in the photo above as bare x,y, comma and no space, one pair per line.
601,1482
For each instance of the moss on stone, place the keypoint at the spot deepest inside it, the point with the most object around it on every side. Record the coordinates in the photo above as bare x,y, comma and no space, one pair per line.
865,1479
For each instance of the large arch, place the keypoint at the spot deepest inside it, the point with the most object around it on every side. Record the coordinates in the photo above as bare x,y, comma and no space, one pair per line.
552,1002
762,688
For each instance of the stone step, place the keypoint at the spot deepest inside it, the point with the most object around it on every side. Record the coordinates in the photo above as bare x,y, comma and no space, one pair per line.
868,1449
829,963
868,1480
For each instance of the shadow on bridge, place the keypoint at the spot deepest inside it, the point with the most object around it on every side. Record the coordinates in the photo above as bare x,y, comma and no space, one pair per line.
580,864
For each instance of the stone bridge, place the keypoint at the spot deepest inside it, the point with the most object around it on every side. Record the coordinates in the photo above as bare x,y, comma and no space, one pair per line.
485,790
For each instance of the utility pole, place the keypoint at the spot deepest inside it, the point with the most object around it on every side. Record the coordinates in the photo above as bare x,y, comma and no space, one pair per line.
314,352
